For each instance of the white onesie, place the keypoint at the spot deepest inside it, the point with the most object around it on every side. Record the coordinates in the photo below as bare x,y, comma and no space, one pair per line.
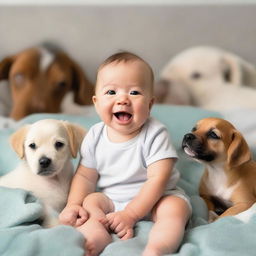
122,167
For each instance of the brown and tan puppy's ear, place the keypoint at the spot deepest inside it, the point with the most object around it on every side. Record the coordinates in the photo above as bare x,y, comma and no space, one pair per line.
76,134
238,151
5,66
17,140
83,89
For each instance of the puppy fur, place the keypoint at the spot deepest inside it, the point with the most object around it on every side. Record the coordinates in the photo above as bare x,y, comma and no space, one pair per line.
39,79
229,180
45,149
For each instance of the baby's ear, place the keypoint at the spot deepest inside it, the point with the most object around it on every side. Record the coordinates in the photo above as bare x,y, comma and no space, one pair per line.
17,140
76,134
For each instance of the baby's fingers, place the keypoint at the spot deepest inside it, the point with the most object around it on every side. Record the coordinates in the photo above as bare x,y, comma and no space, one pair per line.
80,221
83,214
67,218
110,217
105,223
121,233
128,235
119,228
111,221
82,217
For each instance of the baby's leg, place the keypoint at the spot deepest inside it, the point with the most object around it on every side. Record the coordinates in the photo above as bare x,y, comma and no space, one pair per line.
96,235
170,216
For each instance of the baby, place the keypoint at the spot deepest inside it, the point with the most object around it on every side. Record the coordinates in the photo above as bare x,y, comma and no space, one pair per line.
130,159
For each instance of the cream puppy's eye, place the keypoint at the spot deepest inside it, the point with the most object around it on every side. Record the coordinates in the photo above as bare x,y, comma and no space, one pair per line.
32,145
58,144
196,75
111,92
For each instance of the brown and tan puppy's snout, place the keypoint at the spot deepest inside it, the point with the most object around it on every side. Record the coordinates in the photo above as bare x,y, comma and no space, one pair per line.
214,139
194,147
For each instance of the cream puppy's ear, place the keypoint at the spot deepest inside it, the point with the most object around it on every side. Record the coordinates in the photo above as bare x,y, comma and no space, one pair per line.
231,66
238,151
17,140
76,134
240,71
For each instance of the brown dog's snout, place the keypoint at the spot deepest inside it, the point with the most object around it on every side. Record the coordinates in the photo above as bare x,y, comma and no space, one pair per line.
189,137
196,148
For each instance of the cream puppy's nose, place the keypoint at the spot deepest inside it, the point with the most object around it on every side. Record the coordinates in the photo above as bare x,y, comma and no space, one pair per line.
45,162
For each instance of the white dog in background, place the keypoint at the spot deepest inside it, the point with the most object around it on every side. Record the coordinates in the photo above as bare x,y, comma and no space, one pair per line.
45,148
209,73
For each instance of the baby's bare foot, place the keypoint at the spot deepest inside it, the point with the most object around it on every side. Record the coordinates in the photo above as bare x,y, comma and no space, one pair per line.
95,246
96,235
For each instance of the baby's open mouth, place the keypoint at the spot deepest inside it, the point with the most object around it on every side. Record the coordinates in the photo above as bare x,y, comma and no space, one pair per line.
123,116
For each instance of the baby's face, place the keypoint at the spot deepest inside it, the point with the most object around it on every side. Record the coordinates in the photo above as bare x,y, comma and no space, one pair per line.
124,97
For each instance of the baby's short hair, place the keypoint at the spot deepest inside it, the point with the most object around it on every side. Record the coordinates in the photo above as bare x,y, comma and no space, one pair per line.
125,56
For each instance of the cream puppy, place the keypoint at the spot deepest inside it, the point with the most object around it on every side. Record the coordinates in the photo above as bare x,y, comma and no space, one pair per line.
207,77
207,63
45,149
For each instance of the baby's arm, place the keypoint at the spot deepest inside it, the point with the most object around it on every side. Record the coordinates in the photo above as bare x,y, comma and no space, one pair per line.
158,174
83,183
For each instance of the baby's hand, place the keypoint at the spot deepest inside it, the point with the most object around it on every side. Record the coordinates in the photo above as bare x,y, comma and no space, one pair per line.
121,223
73,215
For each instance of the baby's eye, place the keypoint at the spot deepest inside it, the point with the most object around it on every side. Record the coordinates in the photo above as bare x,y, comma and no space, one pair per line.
111,92
135,93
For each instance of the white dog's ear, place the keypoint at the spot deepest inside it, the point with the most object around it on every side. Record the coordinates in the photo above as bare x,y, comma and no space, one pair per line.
238,151
232,72
17,140
76,134
238,71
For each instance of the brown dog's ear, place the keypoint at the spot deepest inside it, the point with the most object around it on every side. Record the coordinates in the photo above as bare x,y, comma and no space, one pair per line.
76,134
83,89
238,151
5,66
17,140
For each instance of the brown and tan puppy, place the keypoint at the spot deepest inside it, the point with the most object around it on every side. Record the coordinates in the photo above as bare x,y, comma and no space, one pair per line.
229,180
39,79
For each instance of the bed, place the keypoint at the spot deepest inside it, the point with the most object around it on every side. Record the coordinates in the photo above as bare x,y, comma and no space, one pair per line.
21,233
156,32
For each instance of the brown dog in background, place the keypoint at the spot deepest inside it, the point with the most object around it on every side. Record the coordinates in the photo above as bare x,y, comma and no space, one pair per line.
229,180
39,79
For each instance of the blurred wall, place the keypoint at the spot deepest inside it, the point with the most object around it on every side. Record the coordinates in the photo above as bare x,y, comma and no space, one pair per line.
90,33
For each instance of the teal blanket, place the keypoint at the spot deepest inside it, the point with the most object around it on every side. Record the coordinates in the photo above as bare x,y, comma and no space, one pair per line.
21,232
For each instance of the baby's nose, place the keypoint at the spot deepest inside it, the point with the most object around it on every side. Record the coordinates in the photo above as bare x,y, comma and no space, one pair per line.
123,99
